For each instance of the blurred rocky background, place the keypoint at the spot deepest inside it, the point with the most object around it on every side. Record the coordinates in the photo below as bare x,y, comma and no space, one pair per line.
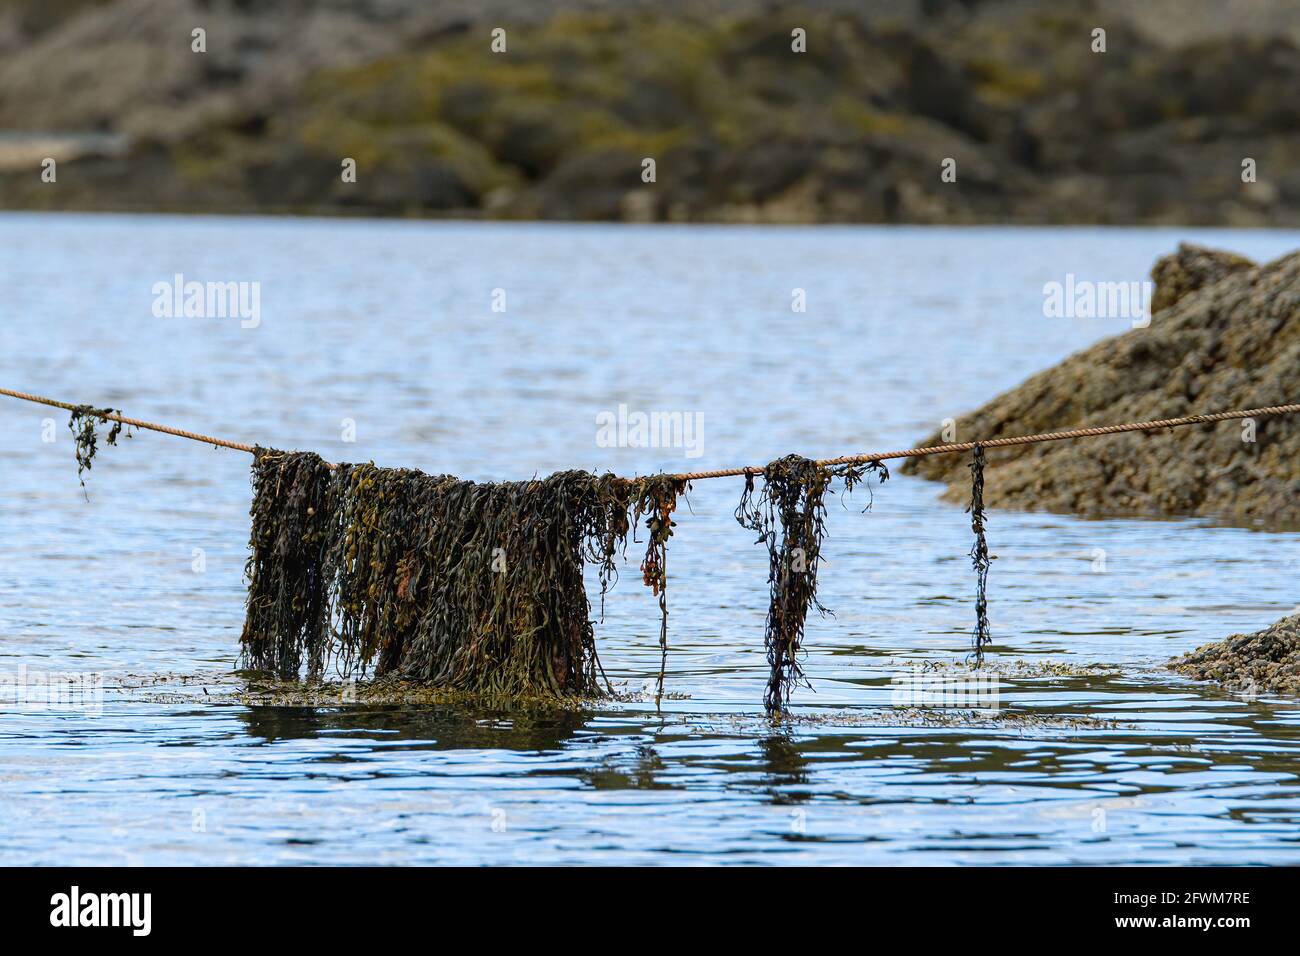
1043,130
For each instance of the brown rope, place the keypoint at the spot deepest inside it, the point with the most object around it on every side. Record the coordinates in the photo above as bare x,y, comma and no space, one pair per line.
1019,440
133,422
843,460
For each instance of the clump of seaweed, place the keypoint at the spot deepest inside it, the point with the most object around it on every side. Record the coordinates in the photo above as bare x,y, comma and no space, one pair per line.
474,587
478,587
287,602
789,516
979,553
82,423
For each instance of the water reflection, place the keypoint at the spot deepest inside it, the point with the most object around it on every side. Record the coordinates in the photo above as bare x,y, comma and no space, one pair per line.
432,727
784,766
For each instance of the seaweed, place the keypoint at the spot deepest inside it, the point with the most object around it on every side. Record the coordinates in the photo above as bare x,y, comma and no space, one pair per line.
479,587
656,499
287,612
475,587
82,423
979,553
851,474
789,515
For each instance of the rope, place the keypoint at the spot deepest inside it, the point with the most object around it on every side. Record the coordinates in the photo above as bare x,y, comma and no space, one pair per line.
1019,440
736,472
133,422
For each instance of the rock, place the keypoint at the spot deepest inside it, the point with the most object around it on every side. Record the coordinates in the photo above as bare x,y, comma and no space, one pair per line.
1191,268
1267,662
1226,336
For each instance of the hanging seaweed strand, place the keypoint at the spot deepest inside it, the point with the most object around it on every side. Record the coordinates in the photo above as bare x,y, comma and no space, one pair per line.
655,499
979,552
789,516
852,474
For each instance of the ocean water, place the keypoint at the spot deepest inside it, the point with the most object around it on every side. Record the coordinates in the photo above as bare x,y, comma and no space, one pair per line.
385,333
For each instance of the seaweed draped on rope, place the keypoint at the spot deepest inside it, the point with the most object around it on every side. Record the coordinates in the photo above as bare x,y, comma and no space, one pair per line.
470,586
479,587
82,423
656,500
288,613
789,515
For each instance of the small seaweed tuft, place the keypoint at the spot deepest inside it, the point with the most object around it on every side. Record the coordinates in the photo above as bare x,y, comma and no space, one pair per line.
82,423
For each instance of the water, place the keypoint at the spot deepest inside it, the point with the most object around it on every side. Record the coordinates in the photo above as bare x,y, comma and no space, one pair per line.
390,325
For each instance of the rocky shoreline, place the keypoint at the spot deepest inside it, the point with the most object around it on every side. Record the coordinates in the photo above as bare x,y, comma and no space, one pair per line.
1040,128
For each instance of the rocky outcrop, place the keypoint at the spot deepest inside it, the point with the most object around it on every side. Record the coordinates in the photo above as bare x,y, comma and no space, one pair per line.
1191,268
857,128
1227,337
